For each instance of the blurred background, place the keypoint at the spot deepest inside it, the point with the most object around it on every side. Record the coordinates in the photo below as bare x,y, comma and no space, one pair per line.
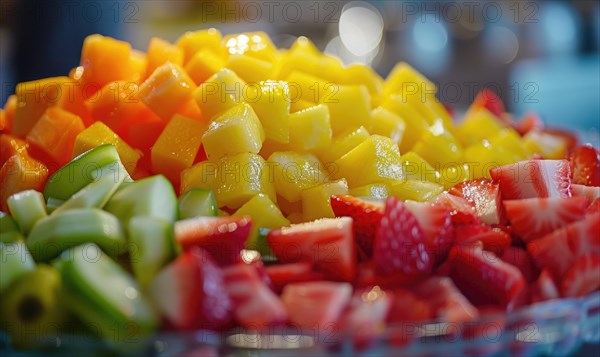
541,56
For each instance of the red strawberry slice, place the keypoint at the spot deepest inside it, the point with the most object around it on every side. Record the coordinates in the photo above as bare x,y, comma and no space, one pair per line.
552,252
454,203
484,195
447,302
583,277
530,122
408,307
585,165
254,259
316,305
400,244
589,192
190,292
468,230
436,223
223,237
543,288
283,274
584,236
532,218
256,306
594,207
489,100
366,217
328,244
519,258
483,277
367,276
534,178
366,316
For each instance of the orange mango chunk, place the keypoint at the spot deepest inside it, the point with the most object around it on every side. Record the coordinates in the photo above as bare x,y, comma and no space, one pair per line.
204,64
9,146
193,41
160,52
20,172
104,60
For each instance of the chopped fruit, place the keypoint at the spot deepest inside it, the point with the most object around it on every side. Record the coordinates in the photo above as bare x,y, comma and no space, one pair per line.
326,243
27,208
387,123
20,172
283,274
589,192
197,202
454,203
416,168
582,278
483,277
375,191
491,101
103,60
295,172
408,307
469,230
317,304
545,144
533,218
272,107
543,288
400,244
365,220
15,262
310,128
415,190
222,237
583,236
367,314
342,144
9,230
203,65
534,178
222,91
416,124
485,197
256,307
446,301
594,207
530,122
250,69
552,252
316,200
193,41
585,166
521,259
9,146
436,224
254,44
438,146
160,52
190,292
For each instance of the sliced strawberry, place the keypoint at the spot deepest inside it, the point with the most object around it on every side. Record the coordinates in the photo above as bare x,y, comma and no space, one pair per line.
584,236
468,230
254,259
583,277
366,217
552,252
585,165
408,307
447,302
534,178
283,274
532,218
489,100
519,258
365,319
483,277
190,292
454,203
400,244
530,122
589,192
484,195
256,306
436,223
543,288
594,207
327,244
367,276
222,237
316,306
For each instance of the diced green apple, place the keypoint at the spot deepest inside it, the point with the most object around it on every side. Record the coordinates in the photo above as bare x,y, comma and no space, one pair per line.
197,202
27,207
9,230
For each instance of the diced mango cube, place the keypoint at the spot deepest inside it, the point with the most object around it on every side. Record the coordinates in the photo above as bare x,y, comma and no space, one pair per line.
328,68
250,69
415,190
295,172
358,74
478,125
549,146
483,156
193,41
265,214
416,124
298,104
9,146
343,144
220,92
104,60
204,64
177,146
404,79
160,52
139,64
375,160
452,174
349,107
377,191
20,172
438,146
272,106
201,175
417,168
238,130
316,200
289,207
384,122
509,139
255,44
310,128
306,87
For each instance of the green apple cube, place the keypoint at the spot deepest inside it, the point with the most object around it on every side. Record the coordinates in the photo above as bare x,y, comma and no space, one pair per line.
15,261
101,293
52,204
59,232
152,197
197,202
9,230
27,207
152,246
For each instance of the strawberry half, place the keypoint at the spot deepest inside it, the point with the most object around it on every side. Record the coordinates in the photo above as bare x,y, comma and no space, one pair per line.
328,244
283,274
367,276
589,192
447,302
222,237
408,307
468,230
454,203
365,216
543,288
585,165
532,218
436,223
483,277
400,244
368,310
519,258
552,252
484,195
530,122
534,178
584,236
190,292
583,277
594,207
489,100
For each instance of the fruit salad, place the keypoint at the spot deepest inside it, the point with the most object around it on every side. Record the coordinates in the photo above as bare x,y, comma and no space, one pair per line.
221,183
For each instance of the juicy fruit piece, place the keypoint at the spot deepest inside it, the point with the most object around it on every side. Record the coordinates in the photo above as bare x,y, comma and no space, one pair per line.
220,92
9,229
490,101
469,231
193,41
478,125
222,237
153,197
295,172
15,262
416,168
446,301
377,159
167,88
543,288
519,258
204,64
315,200
438,146
197,202
160,52
415,190
400,244
589,192
373,191
254,44
310,129
104,59
582,278
191,294
177,147
256,307
9,146
326,243
316,304
532,218
416,124
27,208
272,107
365,219
122,307
436,223
53,234
387,123
534,178
342,144
250,69
151,246
408,307
483,277
33,303
366,317
485,197
20,172
239,127
349,107
585,166
282,274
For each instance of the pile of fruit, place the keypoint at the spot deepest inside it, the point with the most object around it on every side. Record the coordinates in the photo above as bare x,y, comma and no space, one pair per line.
221,182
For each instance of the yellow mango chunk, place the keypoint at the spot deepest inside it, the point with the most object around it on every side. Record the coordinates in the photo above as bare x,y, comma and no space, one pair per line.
222,91
289,207
416,124
360,74
264,213
417,168
509,139
349,107
193,41
483,156
452,174
250,69
310,61
386,123
404,79
415,190
202,175
376,191
375,160
237,130
104,60
297,104
547,145
343,144
478,125
272,106
204,64
294,172
310,128
255,44
177,147
160,52
438,147
98,134
315,200
307,87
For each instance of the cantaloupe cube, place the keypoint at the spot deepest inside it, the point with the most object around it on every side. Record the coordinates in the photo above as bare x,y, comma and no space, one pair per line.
271,102
378,191
220,92
342,144
160,52
204,64
250,69
349,107
310,129
386,123
316,200
295,172
20,172
193,41
415,190
255,44
265,214
236,131
9,146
